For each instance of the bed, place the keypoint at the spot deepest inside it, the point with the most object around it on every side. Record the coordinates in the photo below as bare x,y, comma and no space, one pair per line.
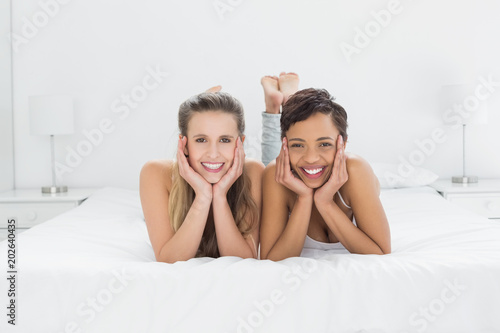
92,269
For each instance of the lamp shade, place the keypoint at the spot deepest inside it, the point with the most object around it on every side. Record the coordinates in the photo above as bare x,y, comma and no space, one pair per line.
51,115
465,103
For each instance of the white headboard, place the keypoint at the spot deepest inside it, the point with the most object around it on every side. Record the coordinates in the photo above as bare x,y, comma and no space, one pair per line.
6,127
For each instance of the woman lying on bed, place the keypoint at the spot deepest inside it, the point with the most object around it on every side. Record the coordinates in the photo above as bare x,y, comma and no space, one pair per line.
207,202
315,195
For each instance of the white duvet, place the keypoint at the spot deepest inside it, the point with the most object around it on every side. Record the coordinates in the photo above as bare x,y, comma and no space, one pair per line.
92,269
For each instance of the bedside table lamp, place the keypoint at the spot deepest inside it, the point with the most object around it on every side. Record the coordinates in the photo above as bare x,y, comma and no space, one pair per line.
51,115
469,110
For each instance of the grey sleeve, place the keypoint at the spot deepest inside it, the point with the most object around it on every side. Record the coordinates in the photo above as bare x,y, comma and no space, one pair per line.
271,137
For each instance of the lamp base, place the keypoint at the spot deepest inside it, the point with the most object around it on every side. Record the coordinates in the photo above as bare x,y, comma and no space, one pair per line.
464,179
54,189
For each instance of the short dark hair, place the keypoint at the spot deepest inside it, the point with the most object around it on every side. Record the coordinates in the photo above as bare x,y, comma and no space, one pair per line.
307,102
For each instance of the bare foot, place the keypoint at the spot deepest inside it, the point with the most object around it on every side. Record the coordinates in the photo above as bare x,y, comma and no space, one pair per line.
214,89
273,97
288,85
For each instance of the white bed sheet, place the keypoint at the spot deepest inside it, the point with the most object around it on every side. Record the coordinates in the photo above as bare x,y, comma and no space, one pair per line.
92,269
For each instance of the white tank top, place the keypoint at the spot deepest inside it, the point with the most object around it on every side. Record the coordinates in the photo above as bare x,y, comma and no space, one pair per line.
311,246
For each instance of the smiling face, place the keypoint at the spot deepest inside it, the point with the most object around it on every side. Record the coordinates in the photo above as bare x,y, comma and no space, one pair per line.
211,140
312,148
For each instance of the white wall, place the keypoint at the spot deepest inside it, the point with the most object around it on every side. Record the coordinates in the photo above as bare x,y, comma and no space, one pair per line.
96,51
6,138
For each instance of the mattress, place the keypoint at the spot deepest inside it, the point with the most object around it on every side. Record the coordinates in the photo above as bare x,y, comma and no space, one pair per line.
92,269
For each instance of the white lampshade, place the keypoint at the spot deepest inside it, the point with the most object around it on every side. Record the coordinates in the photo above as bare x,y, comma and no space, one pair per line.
51,115
465,102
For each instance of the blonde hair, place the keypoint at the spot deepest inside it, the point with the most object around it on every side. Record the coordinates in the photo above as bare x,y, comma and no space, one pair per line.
239,197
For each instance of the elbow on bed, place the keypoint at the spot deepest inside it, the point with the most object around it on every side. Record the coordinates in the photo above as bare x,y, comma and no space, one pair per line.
158,258
378,249
168,259
265,255
386,249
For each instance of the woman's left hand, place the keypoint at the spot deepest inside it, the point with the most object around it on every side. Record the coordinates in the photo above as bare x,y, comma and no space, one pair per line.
339,176
234,172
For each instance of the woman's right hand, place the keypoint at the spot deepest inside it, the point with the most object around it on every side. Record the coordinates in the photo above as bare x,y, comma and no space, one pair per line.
201,187
285,177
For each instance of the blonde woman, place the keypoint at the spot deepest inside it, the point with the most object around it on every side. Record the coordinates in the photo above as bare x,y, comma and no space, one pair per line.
208,201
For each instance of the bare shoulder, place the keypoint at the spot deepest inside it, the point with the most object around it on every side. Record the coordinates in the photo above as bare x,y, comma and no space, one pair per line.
269,176
254,167
360,173
357,165
157,171
270,171
277,191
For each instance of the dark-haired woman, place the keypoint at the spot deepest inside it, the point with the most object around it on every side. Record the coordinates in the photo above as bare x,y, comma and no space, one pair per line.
315,195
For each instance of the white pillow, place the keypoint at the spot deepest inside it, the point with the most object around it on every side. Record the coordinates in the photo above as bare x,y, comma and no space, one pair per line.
391,175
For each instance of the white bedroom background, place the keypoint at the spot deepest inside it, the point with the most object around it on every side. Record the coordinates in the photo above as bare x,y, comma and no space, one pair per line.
6,138
129,64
